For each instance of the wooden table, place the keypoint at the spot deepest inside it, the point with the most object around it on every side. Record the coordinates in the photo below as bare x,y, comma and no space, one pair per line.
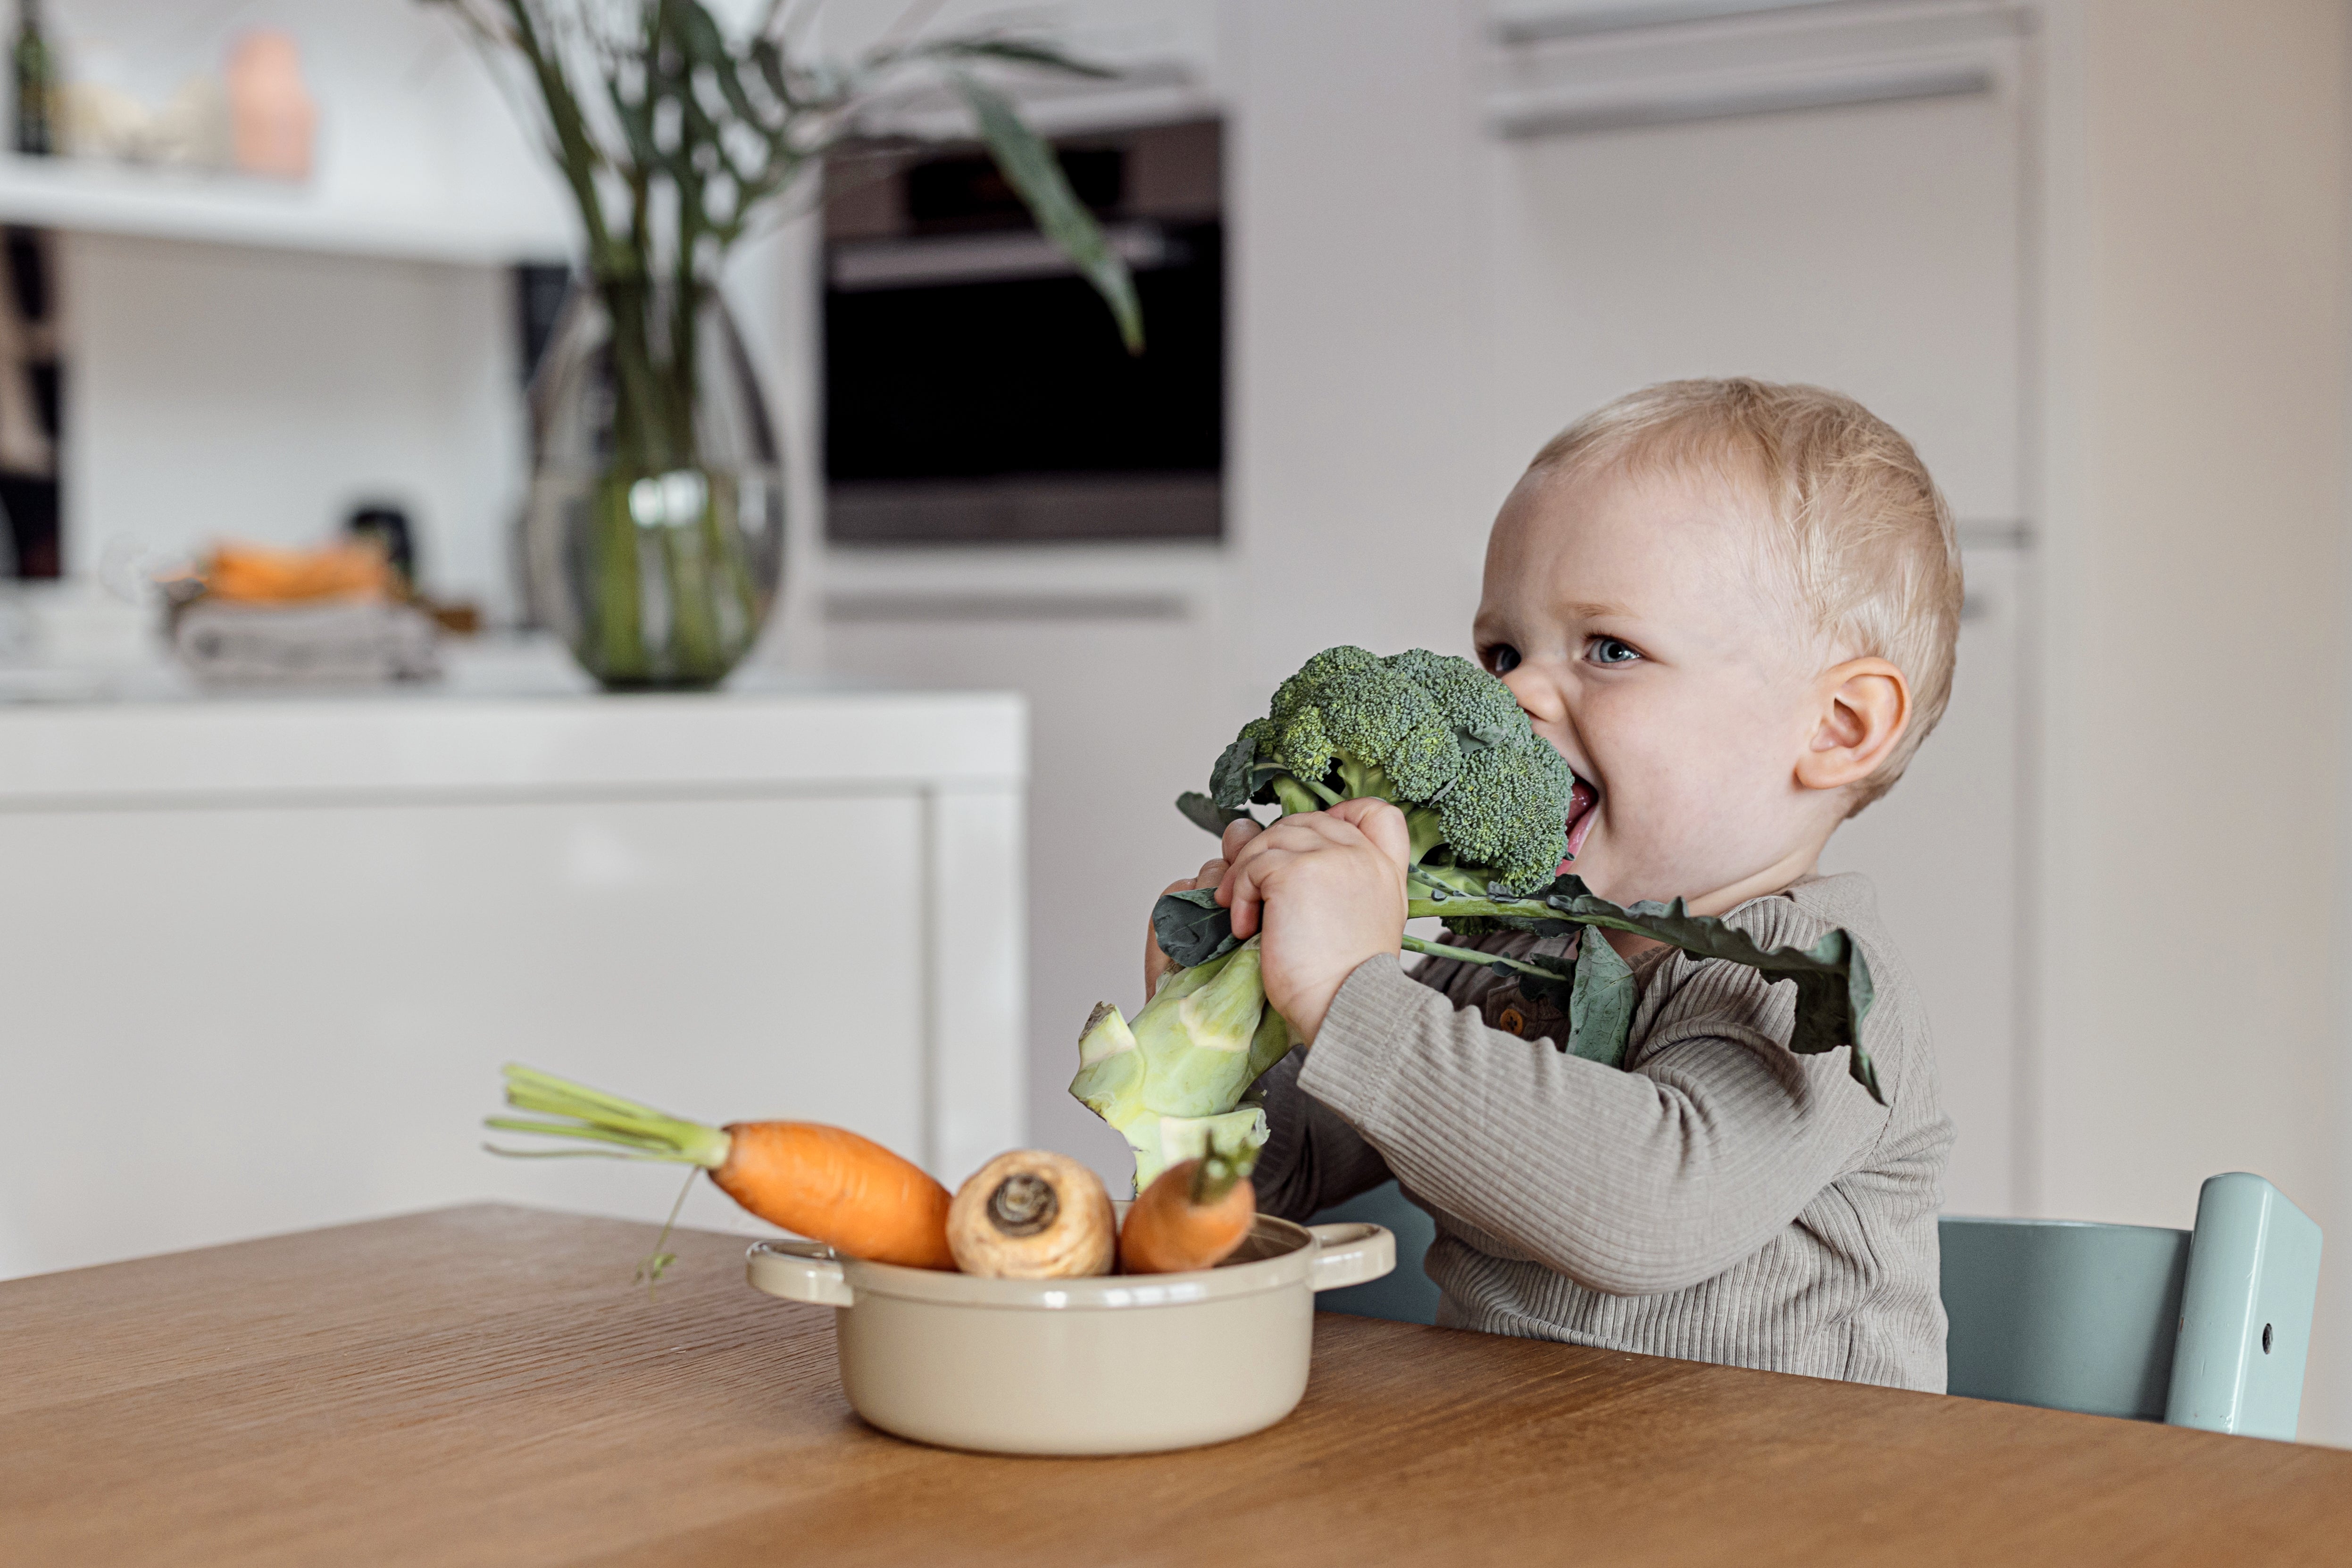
484,1386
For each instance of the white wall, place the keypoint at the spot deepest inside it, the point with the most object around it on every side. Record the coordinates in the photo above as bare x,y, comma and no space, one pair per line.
216,392
1362,489
2191,871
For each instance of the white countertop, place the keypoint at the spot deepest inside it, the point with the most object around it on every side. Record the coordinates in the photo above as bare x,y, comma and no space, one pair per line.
509,718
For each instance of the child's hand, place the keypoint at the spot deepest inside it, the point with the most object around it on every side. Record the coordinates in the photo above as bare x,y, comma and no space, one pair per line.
1156,963
1329,888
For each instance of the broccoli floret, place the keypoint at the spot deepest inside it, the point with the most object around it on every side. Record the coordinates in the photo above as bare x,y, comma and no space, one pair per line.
1485,795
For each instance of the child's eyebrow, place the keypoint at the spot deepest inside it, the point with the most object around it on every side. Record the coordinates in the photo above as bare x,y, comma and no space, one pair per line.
1595,612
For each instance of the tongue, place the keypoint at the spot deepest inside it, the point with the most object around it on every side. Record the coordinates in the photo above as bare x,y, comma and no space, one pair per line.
1581,801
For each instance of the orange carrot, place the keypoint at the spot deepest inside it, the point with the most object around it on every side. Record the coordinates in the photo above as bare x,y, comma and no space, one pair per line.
1192,1216
820,1182
849,1192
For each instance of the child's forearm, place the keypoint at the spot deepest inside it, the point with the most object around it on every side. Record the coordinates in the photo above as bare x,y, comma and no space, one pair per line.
1629,1182
1312,1158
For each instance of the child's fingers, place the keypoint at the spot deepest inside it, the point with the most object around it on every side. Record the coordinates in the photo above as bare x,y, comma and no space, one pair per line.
1156,963
1243,890
1229,893
1381,822
1303,830
1238,893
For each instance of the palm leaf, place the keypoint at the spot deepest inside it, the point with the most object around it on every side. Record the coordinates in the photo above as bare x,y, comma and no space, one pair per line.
1035,174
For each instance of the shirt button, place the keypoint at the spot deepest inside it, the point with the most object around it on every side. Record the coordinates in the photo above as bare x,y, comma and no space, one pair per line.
1513,1020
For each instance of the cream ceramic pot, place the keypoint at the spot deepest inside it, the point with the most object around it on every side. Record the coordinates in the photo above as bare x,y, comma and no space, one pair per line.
1116,1365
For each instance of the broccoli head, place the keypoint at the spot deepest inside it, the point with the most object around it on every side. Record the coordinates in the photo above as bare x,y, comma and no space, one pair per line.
1485,795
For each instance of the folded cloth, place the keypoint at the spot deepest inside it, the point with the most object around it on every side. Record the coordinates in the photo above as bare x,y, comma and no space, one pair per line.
351,643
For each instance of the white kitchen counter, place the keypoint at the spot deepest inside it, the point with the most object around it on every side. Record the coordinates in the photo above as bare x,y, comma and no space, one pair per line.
261,957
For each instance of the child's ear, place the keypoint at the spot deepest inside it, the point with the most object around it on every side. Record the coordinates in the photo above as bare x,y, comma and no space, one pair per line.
1865,706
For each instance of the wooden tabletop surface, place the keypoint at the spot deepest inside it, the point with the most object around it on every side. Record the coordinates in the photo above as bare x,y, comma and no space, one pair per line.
484,1386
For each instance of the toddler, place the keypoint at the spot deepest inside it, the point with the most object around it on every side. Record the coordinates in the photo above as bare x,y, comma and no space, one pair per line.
1732,606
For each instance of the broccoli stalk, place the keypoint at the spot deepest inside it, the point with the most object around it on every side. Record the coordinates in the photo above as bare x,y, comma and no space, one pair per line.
1177,1076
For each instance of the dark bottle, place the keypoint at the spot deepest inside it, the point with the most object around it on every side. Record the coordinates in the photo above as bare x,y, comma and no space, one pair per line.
37,83
388,524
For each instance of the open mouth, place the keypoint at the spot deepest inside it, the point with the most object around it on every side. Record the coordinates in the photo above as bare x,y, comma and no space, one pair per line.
1582,800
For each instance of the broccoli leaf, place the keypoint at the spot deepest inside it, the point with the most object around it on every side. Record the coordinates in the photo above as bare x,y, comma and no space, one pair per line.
1192,927
1203,813
1598,991
1601,1003
1832,979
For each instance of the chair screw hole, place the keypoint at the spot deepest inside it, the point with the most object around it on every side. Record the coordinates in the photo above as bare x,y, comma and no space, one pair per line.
2266,1339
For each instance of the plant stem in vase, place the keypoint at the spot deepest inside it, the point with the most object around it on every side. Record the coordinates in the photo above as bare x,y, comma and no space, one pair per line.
653,538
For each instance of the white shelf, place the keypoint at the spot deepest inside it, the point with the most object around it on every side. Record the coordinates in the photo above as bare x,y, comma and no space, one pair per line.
234,209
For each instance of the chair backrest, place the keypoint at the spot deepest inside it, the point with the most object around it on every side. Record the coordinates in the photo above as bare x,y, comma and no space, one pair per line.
2208,1328
2062,1314
1405,1294
2245,1311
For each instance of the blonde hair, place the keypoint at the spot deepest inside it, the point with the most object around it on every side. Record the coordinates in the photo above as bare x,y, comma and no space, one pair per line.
1866,535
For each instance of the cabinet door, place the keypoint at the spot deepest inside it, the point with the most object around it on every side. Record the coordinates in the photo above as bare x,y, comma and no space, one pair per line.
1876,250
1873,249
219,1022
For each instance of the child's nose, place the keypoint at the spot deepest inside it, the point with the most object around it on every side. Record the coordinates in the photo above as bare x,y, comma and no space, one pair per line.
1538,699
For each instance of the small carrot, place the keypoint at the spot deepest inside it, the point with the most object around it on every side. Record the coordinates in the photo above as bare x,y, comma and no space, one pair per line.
357,569
820,1182
1192,1216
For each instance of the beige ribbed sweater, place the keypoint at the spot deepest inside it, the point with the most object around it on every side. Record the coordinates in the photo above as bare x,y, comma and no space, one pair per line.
1719,1199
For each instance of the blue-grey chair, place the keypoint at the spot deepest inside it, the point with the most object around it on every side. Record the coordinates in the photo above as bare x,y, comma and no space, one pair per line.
1405,1294
2208,1328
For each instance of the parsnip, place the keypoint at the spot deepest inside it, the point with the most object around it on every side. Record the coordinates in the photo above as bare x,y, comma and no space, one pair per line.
1033,1215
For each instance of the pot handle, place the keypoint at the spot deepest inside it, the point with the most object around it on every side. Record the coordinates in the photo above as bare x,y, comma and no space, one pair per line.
798,1272
1351,1253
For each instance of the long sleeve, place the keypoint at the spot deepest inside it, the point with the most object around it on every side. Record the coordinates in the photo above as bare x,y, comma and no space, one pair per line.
1718,1199
1631,1182
1312,1158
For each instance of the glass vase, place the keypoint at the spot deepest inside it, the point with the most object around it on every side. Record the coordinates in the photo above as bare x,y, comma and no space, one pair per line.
653,538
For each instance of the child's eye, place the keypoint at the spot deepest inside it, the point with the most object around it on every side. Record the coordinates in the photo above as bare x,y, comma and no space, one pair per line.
1502,658
1609,650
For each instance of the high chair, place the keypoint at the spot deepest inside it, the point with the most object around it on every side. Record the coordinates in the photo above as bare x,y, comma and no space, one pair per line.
2209,1327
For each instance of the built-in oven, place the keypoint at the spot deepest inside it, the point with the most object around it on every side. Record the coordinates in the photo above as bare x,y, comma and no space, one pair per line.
975,387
